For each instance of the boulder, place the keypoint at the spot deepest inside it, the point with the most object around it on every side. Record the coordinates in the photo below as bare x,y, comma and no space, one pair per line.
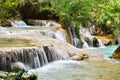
116,53
107,40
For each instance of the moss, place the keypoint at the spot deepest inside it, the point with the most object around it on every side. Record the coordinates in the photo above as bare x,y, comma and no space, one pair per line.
17,76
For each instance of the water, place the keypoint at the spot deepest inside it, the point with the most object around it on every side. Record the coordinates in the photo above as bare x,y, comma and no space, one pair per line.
30,58
107,50
85,45
19,24
78,70
75,41
15,42
81,70
100,43
40,23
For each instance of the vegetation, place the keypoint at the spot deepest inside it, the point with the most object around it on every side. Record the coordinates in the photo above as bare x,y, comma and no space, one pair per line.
18,74
103,13
15,75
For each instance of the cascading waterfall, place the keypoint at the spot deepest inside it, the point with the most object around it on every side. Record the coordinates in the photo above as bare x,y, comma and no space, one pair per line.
75,41
19,24
43,23
30,58
53,24
48,33
85,45
100,43
87,38
60,35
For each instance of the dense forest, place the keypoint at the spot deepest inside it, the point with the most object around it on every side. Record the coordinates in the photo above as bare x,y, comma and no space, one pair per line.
102,13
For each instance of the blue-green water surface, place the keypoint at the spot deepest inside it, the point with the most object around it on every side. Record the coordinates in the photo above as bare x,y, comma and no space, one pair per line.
108,50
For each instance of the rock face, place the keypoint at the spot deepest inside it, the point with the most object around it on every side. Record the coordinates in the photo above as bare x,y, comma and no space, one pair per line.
95,42
116,53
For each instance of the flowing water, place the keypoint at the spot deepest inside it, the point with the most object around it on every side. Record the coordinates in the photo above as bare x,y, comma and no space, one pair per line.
30,58
75,41
59,67
78,70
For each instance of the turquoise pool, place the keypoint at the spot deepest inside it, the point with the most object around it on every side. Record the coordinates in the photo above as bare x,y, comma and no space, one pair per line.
107,50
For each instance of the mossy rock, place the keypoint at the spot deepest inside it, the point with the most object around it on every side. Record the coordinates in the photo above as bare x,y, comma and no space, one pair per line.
13,75
116,53
27,76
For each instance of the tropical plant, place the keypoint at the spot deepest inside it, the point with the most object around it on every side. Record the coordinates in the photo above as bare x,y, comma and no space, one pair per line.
8,8
103,13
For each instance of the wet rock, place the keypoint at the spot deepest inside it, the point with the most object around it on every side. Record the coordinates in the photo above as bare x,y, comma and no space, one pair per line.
107,40
116,53
78,57
95,42
27,76
3,73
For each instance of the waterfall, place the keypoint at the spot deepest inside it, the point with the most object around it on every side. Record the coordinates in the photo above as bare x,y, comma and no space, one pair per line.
19,24
100,43
85,45
30,58
48,33
60,35
75,41
86,36
43,23
53,24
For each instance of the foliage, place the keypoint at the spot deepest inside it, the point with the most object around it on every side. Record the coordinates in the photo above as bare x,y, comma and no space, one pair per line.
75,10
27,76
106,14
103,13
77,28
17,75
8,8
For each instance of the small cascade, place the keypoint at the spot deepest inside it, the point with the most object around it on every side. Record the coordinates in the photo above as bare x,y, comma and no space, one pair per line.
85,45
30,58
19,24
43,23
75,41
20,65
60,36
53,24
48,33
100,43
86,36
